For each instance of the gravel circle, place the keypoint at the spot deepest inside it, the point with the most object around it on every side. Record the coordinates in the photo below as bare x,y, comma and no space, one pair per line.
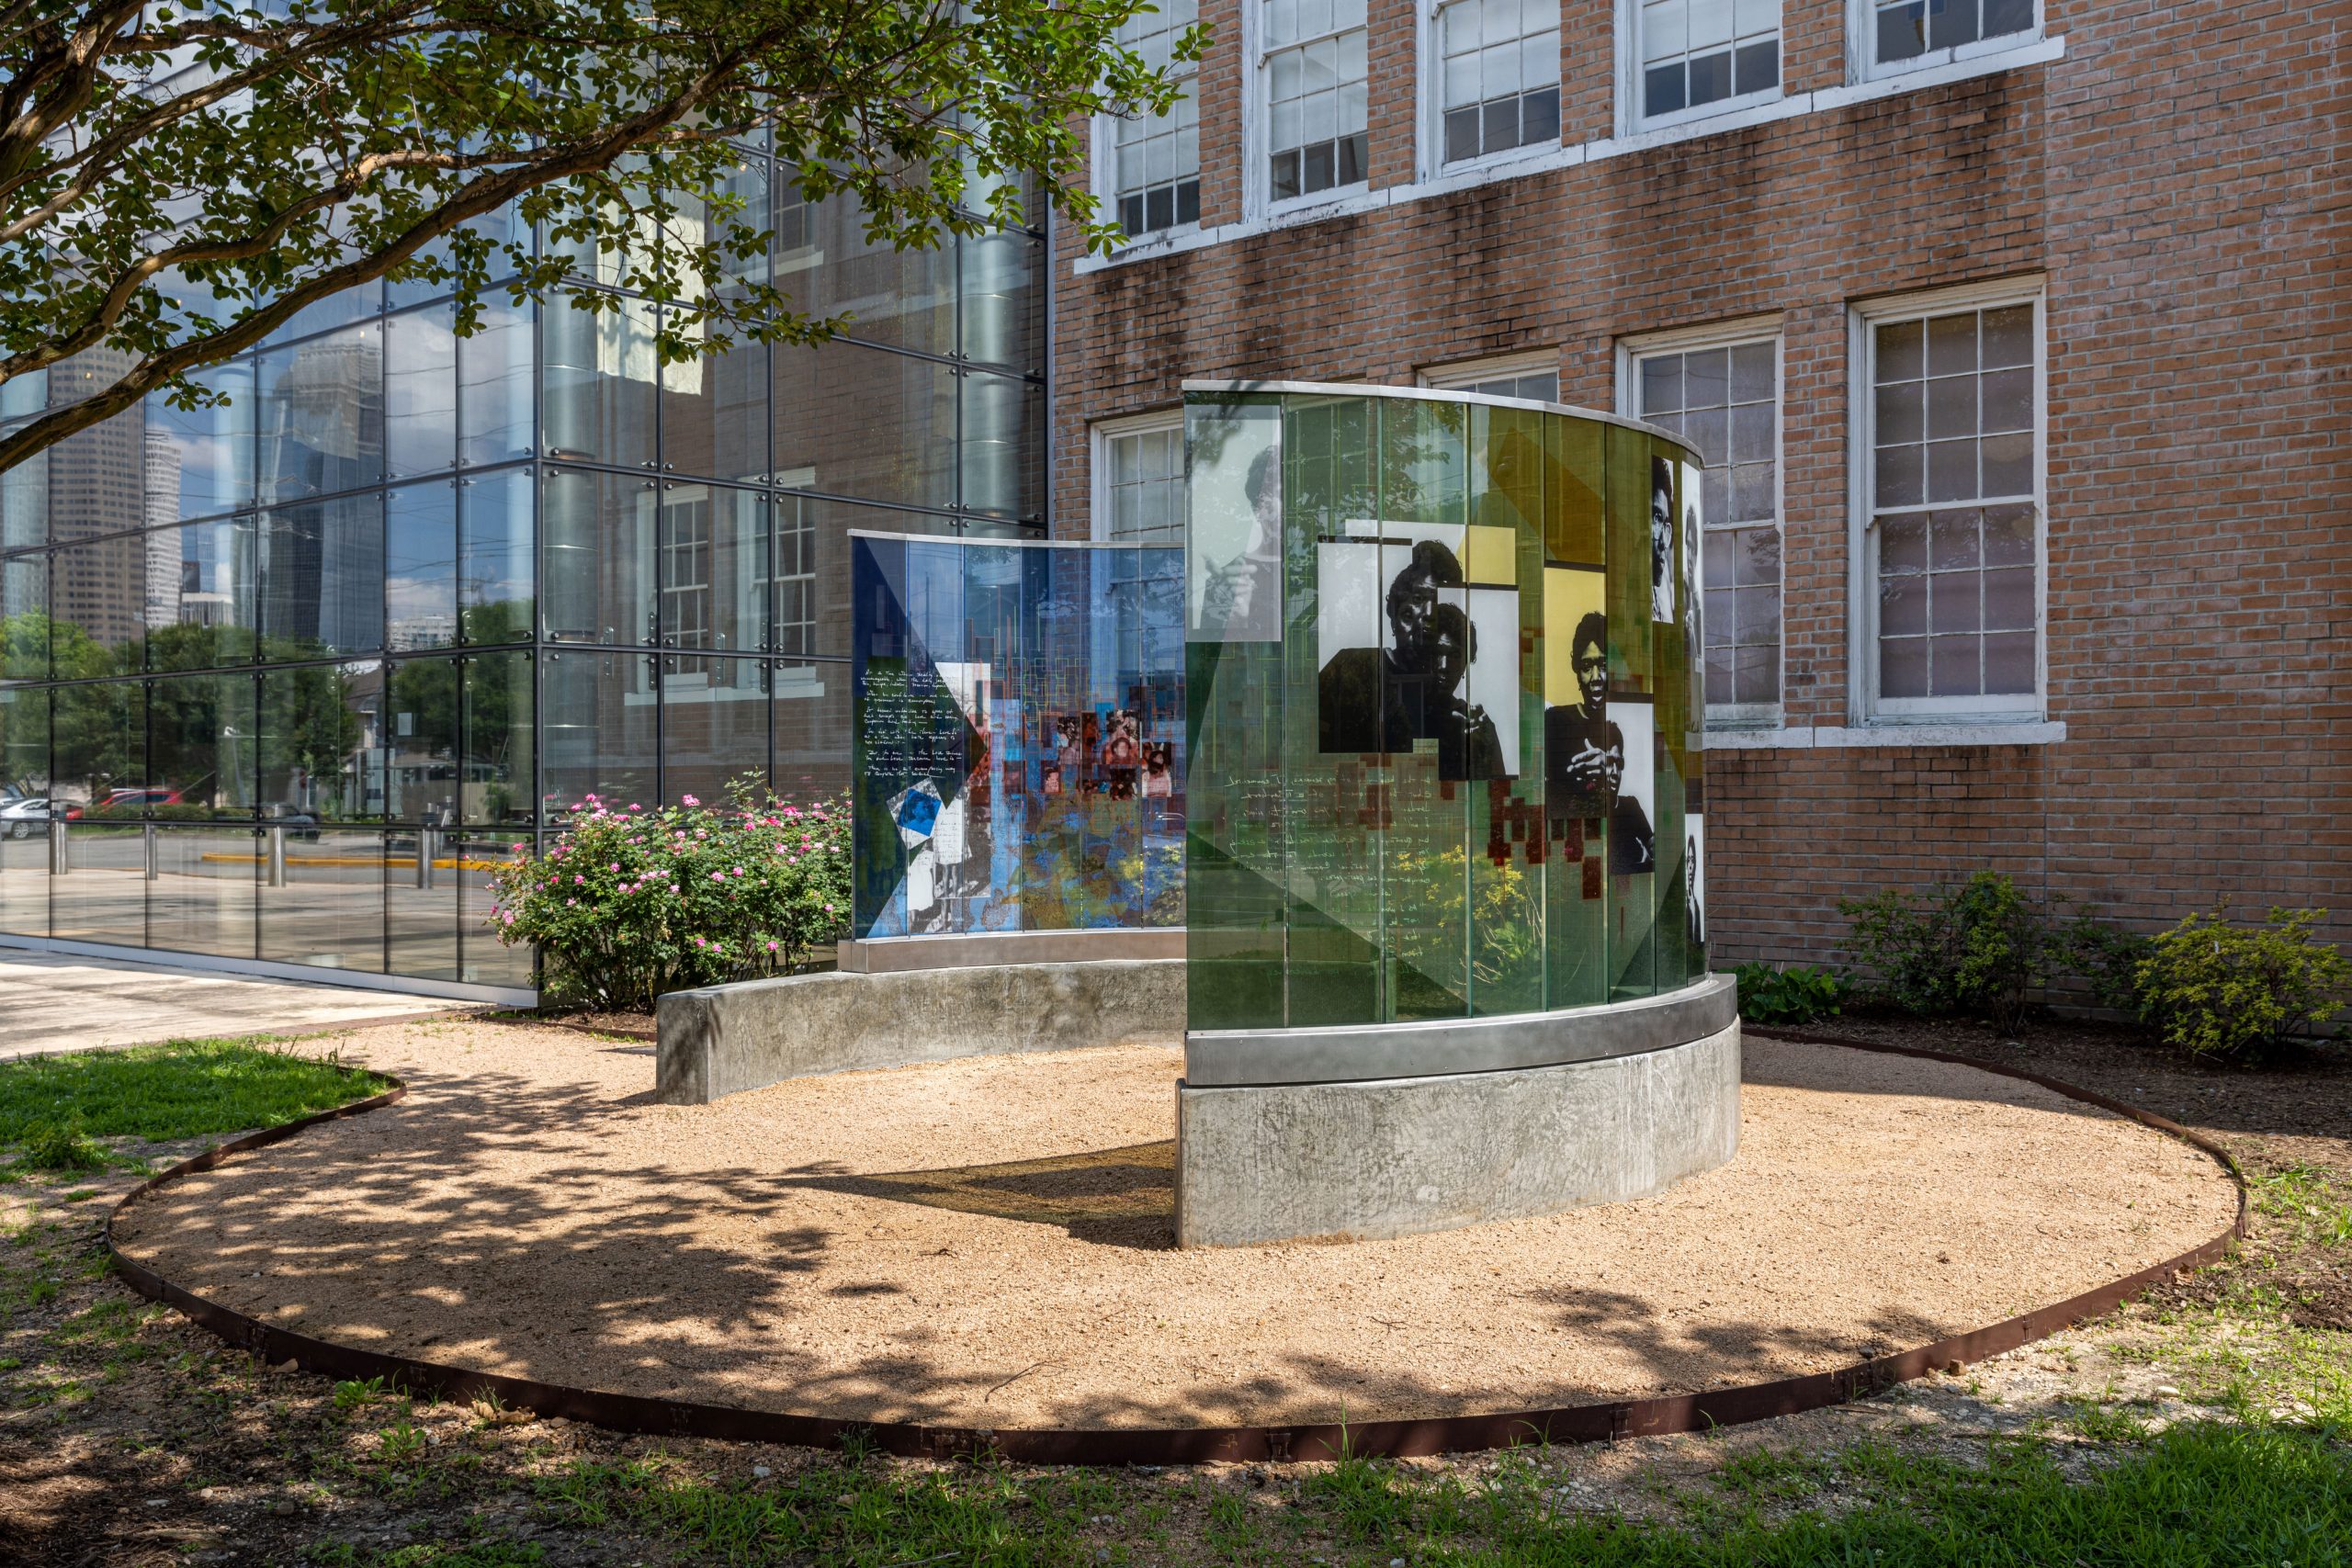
988,1241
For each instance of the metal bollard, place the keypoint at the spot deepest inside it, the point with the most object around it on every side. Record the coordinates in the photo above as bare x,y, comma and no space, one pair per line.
58,863
423,856
275,873
154,851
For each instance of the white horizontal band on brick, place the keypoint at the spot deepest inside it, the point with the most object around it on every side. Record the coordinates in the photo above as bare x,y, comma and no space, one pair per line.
1886,737
1547,160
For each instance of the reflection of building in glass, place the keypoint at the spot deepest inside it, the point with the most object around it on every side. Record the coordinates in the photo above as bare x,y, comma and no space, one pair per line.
419,594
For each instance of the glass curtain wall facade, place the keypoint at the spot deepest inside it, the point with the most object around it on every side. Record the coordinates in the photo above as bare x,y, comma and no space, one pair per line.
295,672
1442,652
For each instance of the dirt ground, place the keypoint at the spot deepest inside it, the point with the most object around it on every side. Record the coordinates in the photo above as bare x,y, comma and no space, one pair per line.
988,1241
128,1436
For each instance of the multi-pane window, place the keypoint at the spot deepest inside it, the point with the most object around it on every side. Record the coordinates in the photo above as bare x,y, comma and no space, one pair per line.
1954,483
1142,487
795,576
1158,157
1313,64
1904,30
1725,400
1498,380
1695,52
1501,75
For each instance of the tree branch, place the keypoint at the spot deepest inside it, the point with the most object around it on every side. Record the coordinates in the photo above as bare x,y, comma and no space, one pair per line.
481,196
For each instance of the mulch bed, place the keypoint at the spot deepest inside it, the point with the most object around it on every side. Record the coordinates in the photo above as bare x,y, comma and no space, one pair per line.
2293,1114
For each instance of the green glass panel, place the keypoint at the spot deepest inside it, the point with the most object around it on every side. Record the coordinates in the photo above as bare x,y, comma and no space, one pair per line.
1332,882
1632,831
1423,493
1235,826
1442,745
1575,680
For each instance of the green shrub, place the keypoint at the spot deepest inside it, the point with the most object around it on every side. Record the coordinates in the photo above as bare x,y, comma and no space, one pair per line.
1798,994
60,1146
628,904
1974,947
2106,961
2220,990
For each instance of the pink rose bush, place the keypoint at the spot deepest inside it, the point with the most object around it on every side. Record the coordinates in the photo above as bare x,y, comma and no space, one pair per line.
628,904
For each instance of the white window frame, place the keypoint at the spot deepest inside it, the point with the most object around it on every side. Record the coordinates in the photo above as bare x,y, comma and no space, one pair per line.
1630,117
1102,166
1429,107
1462,373
1737,333
1864,705
1099,434
1257,115
1862,45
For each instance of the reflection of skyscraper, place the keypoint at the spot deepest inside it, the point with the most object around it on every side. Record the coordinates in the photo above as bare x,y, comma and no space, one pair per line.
162,508
95,488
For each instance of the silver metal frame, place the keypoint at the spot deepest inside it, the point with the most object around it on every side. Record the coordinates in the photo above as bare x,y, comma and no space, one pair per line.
1221,1058
1431,395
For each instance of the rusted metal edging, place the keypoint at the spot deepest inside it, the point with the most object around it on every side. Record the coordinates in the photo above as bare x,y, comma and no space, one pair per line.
1600,1422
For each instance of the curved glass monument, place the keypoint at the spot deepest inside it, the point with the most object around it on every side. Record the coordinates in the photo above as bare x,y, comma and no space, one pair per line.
1443,672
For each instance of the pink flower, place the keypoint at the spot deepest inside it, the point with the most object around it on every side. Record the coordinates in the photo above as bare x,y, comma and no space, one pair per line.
516,848
690,800
738,871
699,942
580,882
829,908
771,947
714,877
571,903
617,865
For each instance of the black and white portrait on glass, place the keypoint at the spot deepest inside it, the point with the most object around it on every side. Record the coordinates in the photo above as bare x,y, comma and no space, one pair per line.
1694,871
1661,539
1600,752
1693,523
1233,545
1583,753
1409,650
1632,841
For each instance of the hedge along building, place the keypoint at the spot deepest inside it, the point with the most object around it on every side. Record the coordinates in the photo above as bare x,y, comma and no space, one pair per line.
297,672
2002,330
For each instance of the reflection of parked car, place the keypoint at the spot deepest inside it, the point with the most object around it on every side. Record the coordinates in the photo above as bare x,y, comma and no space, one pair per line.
23,817
125,803
297,824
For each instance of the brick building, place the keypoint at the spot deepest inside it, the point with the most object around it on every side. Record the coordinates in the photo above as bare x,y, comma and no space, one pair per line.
2016,336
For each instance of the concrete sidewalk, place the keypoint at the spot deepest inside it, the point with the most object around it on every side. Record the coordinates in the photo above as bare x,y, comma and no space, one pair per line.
52,1002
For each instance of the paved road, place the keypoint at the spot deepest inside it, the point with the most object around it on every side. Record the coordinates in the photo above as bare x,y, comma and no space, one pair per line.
50,1002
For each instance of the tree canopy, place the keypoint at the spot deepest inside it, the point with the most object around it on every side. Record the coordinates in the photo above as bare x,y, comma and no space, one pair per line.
178,178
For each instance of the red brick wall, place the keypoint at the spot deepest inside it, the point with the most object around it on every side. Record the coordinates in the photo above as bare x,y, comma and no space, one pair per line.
2177,178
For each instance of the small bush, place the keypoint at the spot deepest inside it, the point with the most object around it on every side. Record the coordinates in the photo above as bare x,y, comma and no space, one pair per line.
2106,960
1975,947
628,904
2224,990
60,1146
1798,994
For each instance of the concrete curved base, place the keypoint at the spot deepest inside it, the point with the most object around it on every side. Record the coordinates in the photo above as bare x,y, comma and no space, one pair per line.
722,1040
1361,1160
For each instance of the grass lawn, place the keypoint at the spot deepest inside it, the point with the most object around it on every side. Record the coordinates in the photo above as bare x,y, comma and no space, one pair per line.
2205,1493
184,1089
